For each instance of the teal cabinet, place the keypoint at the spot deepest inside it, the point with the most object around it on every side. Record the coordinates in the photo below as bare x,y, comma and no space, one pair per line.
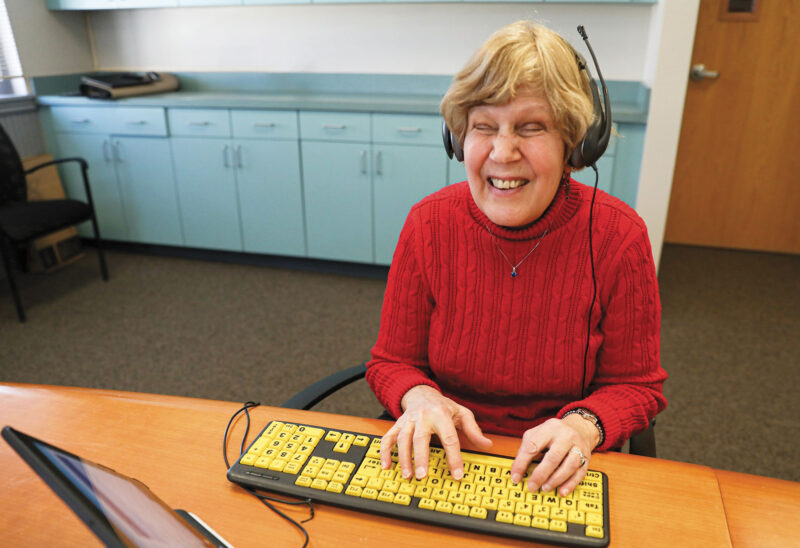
96,150
143,167
110,4
456,171
403,175
209,202
239,182
338,200
130,4
409,163
271,196
130,170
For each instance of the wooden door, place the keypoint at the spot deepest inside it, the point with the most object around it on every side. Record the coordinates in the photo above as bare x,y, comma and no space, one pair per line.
735,185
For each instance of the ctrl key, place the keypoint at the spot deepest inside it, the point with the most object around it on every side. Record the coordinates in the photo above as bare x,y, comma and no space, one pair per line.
594,531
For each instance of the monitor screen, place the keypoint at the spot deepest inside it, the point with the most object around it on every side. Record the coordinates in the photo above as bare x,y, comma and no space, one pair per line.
122,507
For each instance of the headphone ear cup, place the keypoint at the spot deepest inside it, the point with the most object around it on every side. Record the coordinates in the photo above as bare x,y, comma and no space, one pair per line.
592,146
451,145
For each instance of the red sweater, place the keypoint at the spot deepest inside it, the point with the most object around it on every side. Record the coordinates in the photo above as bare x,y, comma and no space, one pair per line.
512,349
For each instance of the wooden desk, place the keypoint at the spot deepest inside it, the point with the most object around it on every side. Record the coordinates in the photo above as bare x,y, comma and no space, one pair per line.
174,445
760,511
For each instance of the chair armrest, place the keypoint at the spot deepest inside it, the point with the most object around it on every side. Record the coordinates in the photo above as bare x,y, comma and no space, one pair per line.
59,161
644,443
84,169
313,394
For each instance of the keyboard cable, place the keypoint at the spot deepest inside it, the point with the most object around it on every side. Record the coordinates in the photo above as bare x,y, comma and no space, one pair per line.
265,499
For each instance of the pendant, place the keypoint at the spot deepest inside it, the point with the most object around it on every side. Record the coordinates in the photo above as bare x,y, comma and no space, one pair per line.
514,272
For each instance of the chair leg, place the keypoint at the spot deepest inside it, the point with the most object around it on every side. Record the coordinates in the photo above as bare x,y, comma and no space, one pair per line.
100,255
11,282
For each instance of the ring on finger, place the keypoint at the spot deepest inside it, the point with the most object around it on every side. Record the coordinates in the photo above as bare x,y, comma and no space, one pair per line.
578,452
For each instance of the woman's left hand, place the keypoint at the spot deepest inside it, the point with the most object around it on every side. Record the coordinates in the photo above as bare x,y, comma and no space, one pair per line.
561,466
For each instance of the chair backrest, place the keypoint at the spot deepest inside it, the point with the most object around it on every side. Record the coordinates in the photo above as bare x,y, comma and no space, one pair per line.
12,174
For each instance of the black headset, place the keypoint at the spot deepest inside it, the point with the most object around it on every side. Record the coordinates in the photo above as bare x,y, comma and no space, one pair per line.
594,142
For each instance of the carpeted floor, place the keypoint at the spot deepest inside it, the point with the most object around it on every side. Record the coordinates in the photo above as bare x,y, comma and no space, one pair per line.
217,330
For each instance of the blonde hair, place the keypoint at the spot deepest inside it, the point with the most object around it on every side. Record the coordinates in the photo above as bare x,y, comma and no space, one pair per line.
523,57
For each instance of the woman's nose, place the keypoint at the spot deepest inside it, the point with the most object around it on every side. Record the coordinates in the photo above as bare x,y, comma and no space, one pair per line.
505,148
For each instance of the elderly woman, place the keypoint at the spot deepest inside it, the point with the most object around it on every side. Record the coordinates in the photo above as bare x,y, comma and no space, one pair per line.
491,290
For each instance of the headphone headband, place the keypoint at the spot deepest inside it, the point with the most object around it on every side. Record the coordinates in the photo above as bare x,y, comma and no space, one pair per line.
595,140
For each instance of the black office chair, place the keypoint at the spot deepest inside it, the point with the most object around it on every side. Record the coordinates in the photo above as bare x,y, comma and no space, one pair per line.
22,221
642,443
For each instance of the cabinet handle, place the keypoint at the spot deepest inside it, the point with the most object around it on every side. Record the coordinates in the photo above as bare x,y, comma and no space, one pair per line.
83,121
199,123
363,161
115,151
106,156
225,159
379,163
409,129
239,156
334,126
263,124
137,123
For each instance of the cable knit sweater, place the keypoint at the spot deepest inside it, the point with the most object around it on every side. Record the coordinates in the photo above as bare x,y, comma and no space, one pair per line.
511,349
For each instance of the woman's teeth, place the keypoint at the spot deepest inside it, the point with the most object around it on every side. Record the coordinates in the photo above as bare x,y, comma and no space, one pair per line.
507,183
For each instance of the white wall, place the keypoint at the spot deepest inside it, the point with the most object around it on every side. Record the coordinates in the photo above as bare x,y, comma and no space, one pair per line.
674,22
639,42
49,42
355,38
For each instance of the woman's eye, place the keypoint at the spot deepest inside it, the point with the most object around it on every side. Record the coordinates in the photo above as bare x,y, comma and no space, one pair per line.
483,127
530,129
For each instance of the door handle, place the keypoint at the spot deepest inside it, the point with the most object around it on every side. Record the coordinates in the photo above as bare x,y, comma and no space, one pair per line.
225,161
115,151
699,72
379,163
239,156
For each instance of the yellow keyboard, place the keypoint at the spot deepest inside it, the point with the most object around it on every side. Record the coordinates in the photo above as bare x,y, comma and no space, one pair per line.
343,468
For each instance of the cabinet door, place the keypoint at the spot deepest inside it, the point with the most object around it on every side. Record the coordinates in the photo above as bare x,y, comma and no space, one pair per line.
125,4
456,171
338,200
147,183
403,175
96,150
204,171
271,197
208,2
605,171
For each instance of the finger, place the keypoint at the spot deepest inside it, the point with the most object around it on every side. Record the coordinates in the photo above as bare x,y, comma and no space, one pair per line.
568,467
452,448
404,448
422,443
552,460
533,442
473,432
387,442
569,486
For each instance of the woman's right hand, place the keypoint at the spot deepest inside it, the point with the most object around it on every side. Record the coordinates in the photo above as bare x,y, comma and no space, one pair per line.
428,412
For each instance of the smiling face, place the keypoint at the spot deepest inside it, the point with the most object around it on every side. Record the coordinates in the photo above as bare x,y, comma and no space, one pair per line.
514,157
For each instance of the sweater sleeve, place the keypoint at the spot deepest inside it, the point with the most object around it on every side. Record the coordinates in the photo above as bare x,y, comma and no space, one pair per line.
626,391
400,355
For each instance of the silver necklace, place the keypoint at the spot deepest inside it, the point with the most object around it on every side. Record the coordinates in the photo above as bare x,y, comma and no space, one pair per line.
528,254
